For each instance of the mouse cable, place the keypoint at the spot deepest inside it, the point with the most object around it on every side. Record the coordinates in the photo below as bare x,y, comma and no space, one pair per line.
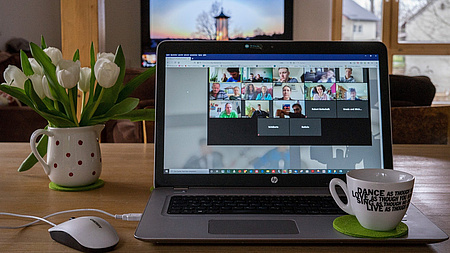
127,217
26,216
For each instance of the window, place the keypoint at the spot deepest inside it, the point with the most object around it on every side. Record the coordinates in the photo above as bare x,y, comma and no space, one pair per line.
416,33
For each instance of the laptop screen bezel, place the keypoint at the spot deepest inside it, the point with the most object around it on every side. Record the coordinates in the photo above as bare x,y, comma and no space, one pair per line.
264,47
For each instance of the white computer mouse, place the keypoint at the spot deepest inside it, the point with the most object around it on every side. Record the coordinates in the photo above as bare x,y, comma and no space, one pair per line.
88,233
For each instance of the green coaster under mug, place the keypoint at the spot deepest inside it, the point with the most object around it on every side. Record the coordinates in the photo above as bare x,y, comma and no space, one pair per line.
349,225
99,183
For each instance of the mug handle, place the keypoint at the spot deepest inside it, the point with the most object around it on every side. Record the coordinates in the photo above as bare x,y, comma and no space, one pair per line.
345,207
33,139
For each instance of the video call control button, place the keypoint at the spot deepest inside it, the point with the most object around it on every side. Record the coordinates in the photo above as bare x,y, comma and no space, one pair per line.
305,127
353,109
273,127
321,109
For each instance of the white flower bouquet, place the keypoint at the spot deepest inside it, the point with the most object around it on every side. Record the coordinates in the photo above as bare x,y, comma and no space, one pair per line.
48,84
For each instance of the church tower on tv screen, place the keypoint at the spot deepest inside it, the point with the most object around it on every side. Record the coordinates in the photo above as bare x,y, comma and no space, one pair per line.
222,26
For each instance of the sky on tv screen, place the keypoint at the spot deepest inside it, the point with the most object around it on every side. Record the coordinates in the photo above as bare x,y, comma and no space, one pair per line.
176,19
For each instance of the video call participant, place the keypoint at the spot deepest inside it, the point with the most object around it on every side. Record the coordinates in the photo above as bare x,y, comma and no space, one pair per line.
236,94
284,76
296,114
235,75
264,95
224,78
229,112
331,77
286,93
258,79
260,113
323,79
353,94
319,93
250,92
348,78
216,93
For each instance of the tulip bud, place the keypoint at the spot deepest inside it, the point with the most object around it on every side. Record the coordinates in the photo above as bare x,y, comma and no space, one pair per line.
109,56
68,73
37,69
85,77
54,54
106,72
14,76
46,88
36,80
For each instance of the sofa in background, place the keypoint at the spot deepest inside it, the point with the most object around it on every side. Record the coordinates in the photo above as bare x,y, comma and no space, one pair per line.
414,119
420,124
17,123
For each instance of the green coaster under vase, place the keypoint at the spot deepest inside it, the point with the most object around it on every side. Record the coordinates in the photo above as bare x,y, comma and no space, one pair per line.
349,225
99,183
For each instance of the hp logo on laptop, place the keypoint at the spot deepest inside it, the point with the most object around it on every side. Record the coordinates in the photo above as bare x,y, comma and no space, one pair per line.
274,180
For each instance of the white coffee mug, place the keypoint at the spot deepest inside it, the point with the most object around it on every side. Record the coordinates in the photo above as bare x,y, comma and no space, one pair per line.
378,198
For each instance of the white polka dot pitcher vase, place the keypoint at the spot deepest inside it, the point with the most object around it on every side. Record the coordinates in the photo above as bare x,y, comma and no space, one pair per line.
73,154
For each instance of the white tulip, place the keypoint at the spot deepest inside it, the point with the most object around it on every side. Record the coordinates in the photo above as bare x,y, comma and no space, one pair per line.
14,76
46,88
37,69
36,80
85,78
68,73
109,56
106,72
54,54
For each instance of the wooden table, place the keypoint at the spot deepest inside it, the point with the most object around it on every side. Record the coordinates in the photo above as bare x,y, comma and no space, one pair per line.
128,176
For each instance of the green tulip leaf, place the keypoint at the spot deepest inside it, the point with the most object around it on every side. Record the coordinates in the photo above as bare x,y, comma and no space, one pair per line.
98,90
31,160
134,83
87,112
31,93
73,97
43,44
125,106
49,103
26,66
92,81
76,55
57,120
138,115
17,93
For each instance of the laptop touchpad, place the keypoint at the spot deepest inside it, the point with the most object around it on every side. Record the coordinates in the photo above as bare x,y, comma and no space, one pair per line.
252,227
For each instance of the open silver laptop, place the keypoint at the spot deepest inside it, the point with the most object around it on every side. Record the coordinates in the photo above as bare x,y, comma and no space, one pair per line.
266,120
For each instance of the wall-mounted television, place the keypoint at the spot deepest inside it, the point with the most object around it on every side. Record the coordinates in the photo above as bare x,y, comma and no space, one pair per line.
212,20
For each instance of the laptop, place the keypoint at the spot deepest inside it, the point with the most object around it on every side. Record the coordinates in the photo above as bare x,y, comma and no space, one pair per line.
240,120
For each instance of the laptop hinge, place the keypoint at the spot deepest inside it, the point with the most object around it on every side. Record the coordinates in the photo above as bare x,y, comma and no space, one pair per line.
180,189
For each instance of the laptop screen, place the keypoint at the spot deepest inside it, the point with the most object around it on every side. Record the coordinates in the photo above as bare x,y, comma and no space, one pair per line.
271,114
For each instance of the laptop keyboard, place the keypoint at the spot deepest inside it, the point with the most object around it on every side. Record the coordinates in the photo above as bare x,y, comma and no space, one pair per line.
253,205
